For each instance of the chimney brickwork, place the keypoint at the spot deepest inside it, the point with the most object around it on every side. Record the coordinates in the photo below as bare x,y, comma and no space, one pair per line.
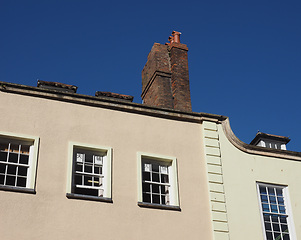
180,76
165,78
156,78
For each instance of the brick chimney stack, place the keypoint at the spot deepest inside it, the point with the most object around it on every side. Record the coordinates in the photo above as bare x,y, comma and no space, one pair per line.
165,78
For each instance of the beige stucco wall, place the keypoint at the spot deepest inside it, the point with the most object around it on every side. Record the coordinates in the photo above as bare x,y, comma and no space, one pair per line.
241,171
48,214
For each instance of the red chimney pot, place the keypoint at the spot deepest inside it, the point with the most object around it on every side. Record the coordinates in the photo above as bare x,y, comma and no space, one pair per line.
176,36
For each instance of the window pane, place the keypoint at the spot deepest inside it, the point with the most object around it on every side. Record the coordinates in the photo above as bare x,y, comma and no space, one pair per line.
286,237
164,189
264,198
266,217
269,236
265,207
96,181
79,167
267,226
24,159
280,200
25,149
10,180
146,187
98,160
78,179
164,169
284,228
2,179
156,199
155,167
271,191
164,178
80,157
3,147
272,199
21,182
155,188
262,190
275,218
279,192
14,148
89,158
87,181
22,171
146,197
12,169
146,176
282,209
3,156
88,168
147,167
155,177
276,227
13,157
283,219
274,208
2,168
97,170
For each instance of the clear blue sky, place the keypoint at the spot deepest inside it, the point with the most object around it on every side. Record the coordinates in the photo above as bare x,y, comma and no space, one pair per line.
244,56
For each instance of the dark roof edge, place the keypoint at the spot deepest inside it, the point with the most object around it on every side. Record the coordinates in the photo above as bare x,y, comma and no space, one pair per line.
110,103
252,149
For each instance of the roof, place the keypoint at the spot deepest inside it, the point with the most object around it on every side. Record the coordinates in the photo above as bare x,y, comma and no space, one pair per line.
115,95
266,136
57,86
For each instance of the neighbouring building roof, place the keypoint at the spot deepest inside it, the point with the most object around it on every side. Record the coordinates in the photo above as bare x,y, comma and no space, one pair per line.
265,136
57,86
114,95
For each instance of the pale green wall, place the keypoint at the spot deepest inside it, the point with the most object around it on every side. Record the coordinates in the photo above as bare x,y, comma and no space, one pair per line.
240,172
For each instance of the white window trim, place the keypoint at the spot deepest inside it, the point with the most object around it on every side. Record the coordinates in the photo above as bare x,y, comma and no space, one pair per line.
173,176
290,222
32,162
107,167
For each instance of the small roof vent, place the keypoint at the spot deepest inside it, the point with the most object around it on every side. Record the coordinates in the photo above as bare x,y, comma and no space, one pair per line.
270,141
114,95
57,86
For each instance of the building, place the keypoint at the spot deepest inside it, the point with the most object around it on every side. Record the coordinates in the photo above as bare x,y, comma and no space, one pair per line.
74,166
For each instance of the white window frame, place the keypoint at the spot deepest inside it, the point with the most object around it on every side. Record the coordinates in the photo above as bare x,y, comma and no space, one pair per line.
288,211
33,143
171,162
106,170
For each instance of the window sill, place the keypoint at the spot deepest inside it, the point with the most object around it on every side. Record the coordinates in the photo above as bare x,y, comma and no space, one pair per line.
17,189
158,206
90,198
